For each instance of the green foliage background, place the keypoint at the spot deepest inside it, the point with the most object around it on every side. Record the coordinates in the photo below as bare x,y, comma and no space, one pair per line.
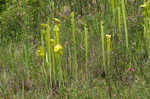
20,38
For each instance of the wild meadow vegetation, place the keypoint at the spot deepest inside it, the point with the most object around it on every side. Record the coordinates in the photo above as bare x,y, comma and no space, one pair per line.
75,49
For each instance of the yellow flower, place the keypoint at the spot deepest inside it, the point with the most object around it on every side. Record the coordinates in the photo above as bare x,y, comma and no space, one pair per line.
58,49
108,36
56,28
146,3
52,41
56,21
44,26
143,5
40,52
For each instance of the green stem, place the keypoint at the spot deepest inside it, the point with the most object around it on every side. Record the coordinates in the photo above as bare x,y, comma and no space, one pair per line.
125,25
86,46
74,44
119,18
103,45
47,38
43,58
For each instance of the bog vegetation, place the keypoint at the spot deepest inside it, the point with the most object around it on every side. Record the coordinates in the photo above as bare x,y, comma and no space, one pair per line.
74,49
